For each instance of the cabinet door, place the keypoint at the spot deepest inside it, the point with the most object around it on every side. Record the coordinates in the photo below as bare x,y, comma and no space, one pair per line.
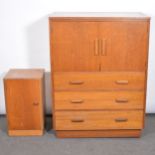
74,46
24,104
123,45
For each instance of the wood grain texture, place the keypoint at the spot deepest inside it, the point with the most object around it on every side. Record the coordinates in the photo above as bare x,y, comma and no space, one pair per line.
88,68
72,41
99,100
124,42
99,80
25,132
98,133
24,74
24,103
125,46
98,120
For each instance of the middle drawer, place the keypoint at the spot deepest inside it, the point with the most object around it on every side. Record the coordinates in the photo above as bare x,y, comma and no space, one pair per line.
103,81
110,100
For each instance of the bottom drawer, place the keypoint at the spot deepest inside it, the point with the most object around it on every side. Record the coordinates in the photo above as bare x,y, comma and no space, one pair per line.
98,120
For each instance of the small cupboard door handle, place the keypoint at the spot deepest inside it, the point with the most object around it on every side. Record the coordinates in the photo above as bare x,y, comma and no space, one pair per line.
35,103
77,120
122,100
121,120
76,82
122,82
77,101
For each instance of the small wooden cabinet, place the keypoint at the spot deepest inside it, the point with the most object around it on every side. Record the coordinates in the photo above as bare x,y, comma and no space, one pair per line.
24,101
99,73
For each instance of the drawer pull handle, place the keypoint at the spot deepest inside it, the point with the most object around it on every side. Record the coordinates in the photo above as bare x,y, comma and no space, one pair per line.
76,82
121,120
122,100
35,103
77,120
77,101
122,82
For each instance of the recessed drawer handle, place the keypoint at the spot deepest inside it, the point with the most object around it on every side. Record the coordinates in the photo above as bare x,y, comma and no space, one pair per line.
76,82
77,101
122,82
77,120
121,100
121,120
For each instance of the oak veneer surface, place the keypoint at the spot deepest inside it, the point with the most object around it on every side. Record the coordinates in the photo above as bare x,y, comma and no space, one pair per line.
98,133
98,120
99,81
24,74
99,46
77,100
24,101
99,66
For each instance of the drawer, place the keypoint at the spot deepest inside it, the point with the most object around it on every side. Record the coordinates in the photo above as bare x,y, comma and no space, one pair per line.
99,81
98,120
76,100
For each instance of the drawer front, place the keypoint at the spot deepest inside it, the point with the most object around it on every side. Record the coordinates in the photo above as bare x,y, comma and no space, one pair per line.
98,120
99,81
99,100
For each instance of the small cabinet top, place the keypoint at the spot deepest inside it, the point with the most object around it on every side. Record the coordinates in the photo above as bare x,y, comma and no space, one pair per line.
24,74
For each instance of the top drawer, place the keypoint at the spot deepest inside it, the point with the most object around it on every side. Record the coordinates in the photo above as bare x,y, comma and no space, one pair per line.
99,80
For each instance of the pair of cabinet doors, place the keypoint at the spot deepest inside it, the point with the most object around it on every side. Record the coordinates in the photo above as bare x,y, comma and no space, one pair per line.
99,45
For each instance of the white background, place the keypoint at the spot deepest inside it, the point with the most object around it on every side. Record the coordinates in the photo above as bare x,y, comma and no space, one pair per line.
24,38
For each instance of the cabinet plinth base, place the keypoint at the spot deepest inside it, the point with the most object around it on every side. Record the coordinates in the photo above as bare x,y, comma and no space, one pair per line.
25,132
98,133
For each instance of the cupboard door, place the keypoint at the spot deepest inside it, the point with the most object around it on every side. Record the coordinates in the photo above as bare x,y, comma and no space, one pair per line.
24,110
74,46
123,45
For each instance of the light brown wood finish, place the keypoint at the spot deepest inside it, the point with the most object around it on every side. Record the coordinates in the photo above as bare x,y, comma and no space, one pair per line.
98,120
25,132
83,82
99,100
24,101
124,45
97,133
74,41
99,80
112,43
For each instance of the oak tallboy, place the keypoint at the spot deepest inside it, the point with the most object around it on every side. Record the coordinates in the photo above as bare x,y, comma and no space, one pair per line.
99,73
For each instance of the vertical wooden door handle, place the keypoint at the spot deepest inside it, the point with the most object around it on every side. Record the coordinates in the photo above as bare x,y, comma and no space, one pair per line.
103,47
96,47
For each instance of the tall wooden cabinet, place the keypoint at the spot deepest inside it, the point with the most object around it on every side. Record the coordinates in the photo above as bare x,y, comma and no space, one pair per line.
99,73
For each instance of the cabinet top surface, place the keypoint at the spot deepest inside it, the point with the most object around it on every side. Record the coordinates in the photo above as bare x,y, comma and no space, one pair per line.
24,74
99,14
